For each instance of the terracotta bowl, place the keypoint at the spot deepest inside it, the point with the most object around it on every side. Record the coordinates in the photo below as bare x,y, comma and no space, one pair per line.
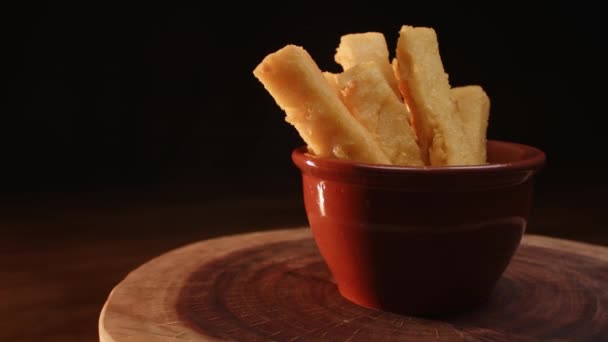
420,241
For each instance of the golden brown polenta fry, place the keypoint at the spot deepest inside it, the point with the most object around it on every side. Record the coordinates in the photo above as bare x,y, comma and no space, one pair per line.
368,96
474,108
427,91
359,48
298,86
395,67
331,79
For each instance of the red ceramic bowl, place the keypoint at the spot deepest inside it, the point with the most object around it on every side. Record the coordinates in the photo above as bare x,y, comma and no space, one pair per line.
420,241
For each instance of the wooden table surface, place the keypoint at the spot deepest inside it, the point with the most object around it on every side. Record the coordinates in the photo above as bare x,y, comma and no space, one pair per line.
59,259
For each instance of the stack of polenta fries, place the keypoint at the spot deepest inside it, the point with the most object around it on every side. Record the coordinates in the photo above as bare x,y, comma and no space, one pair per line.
401,113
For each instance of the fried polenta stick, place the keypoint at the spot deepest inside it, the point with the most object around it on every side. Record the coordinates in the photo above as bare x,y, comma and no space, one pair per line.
474,108
427,92
332,79
370,99
359,48
402,90
298,86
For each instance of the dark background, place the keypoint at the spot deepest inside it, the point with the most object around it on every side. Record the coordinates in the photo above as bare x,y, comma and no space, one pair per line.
146,96
132,130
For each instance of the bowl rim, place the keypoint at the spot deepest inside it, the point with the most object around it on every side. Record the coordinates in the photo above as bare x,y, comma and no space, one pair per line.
534,159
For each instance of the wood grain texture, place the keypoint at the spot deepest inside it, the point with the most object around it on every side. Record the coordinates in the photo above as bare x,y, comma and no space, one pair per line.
275,286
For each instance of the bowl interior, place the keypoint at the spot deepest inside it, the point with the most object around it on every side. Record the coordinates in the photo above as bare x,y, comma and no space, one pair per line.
501,152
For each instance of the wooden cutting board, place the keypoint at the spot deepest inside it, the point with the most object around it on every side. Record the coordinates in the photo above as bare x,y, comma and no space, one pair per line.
275,286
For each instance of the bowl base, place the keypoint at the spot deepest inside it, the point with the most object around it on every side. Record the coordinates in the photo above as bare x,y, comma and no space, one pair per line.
420,308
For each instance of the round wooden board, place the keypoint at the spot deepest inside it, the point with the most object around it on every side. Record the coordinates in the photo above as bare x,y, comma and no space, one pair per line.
275,286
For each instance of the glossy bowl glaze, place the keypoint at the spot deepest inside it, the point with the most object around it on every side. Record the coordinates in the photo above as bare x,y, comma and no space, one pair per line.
421,241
